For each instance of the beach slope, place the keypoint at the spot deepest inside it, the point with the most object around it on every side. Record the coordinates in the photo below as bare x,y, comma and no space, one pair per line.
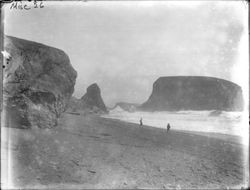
93,152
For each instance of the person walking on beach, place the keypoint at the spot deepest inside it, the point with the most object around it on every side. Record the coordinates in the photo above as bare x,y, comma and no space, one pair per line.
168,127
141,122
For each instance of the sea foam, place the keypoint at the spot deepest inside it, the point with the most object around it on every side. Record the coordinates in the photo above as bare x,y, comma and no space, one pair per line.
201,121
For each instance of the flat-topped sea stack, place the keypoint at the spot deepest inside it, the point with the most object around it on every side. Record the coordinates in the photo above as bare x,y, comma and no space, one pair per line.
93,100
38,83
176,93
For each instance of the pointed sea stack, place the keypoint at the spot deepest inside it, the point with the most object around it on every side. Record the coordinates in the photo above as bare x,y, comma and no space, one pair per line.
92,99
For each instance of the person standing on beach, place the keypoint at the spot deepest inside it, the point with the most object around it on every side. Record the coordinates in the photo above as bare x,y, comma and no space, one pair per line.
141,122
168,127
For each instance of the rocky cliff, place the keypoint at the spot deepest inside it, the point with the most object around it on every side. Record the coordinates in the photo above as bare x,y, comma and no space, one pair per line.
93,100
38,83
194,93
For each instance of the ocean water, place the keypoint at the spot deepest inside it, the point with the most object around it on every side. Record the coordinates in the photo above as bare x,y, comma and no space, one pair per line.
231,123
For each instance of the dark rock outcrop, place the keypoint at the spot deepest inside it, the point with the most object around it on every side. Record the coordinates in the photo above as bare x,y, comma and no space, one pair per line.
130,107
193,93
75,104
215,113
38,83
92,99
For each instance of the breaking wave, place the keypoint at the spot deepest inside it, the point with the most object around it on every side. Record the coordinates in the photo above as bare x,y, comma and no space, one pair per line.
202,121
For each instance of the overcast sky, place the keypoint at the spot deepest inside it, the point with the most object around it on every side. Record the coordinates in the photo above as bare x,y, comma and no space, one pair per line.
125,46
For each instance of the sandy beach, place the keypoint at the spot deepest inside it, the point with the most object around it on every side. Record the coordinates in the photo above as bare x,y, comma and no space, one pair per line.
93,152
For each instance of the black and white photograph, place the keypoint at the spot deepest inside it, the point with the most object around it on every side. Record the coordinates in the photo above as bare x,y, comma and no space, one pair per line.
124,94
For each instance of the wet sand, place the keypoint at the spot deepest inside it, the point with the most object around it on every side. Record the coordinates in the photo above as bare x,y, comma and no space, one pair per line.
93,152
